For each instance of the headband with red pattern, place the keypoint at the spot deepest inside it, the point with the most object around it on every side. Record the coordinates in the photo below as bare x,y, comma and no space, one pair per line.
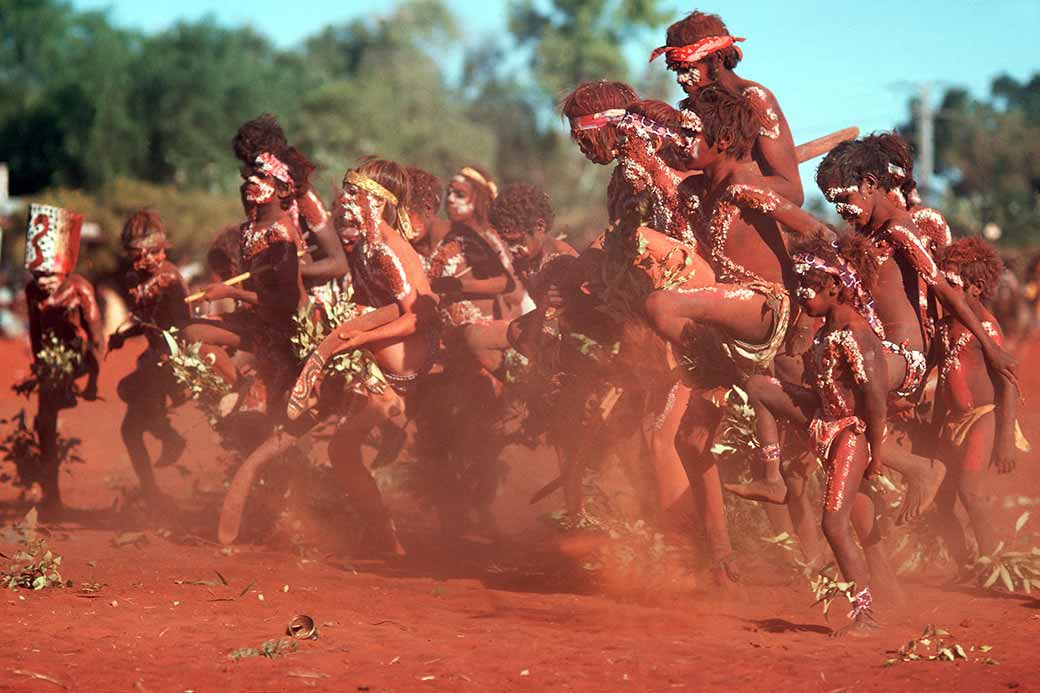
694,52
595,121
269,163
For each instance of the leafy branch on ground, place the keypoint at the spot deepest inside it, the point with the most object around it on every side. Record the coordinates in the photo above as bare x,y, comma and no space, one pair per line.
937,645
1011,565
35,565
921,547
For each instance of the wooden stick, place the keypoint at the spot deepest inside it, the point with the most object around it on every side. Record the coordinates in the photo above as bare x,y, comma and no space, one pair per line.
822,145
803,152
237,279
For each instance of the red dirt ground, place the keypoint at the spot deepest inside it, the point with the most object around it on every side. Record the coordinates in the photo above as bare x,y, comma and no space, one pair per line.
446,619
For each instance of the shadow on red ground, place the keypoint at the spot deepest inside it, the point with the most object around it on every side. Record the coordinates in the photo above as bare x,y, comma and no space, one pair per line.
155,614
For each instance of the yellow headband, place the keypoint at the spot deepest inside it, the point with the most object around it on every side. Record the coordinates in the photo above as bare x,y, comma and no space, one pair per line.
474,175
368,185
404,224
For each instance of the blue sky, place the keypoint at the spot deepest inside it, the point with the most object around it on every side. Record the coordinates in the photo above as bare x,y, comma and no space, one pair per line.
830,64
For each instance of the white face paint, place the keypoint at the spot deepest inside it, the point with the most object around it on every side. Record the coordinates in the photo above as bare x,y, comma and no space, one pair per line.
258,191
688,120
460,205
849,212
954,278
806,292
688,78
833,194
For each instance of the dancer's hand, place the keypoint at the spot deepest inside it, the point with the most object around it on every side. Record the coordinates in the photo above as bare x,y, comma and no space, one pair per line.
218,292
876,467
353,339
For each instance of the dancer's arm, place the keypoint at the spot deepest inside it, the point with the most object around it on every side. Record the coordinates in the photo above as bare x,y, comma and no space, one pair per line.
1004,443
334,264
755,194
90,313
777,158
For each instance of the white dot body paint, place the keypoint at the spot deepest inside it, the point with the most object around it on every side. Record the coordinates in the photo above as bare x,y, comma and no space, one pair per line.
806,292
846,210
954,279
688,78
771,127
833,193
689,120
261,193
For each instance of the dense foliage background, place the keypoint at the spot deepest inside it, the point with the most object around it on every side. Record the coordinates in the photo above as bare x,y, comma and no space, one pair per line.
105,119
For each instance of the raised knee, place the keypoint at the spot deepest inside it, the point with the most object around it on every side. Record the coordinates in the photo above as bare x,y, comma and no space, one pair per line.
758,386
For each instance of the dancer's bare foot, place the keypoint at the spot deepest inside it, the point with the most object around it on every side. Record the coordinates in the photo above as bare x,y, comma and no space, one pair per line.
922,487
863,626
726,574
761,490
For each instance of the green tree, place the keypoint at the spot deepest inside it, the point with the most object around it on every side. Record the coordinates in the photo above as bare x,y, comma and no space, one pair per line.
989,152
63,119
193,85
577,40
388,95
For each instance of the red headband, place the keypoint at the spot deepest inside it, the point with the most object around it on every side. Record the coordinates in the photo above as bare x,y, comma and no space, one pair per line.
595,121
269,163
696,51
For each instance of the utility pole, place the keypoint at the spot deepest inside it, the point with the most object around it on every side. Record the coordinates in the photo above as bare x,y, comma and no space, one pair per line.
925,141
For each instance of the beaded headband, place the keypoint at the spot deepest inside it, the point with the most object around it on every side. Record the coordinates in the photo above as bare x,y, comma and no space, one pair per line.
806,262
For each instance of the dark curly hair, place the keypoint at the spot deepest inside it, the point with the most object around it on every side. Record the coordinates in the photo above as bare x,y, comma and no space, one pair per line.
857,252
426,190
977,263
657,111
852,161
593,97
142,223
725,113
901,156
261,134
264,134
697,25
518,208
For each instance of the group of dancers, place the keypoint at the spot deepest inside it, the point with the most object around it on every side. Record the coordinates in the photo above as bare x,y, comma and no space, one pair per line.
709,277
